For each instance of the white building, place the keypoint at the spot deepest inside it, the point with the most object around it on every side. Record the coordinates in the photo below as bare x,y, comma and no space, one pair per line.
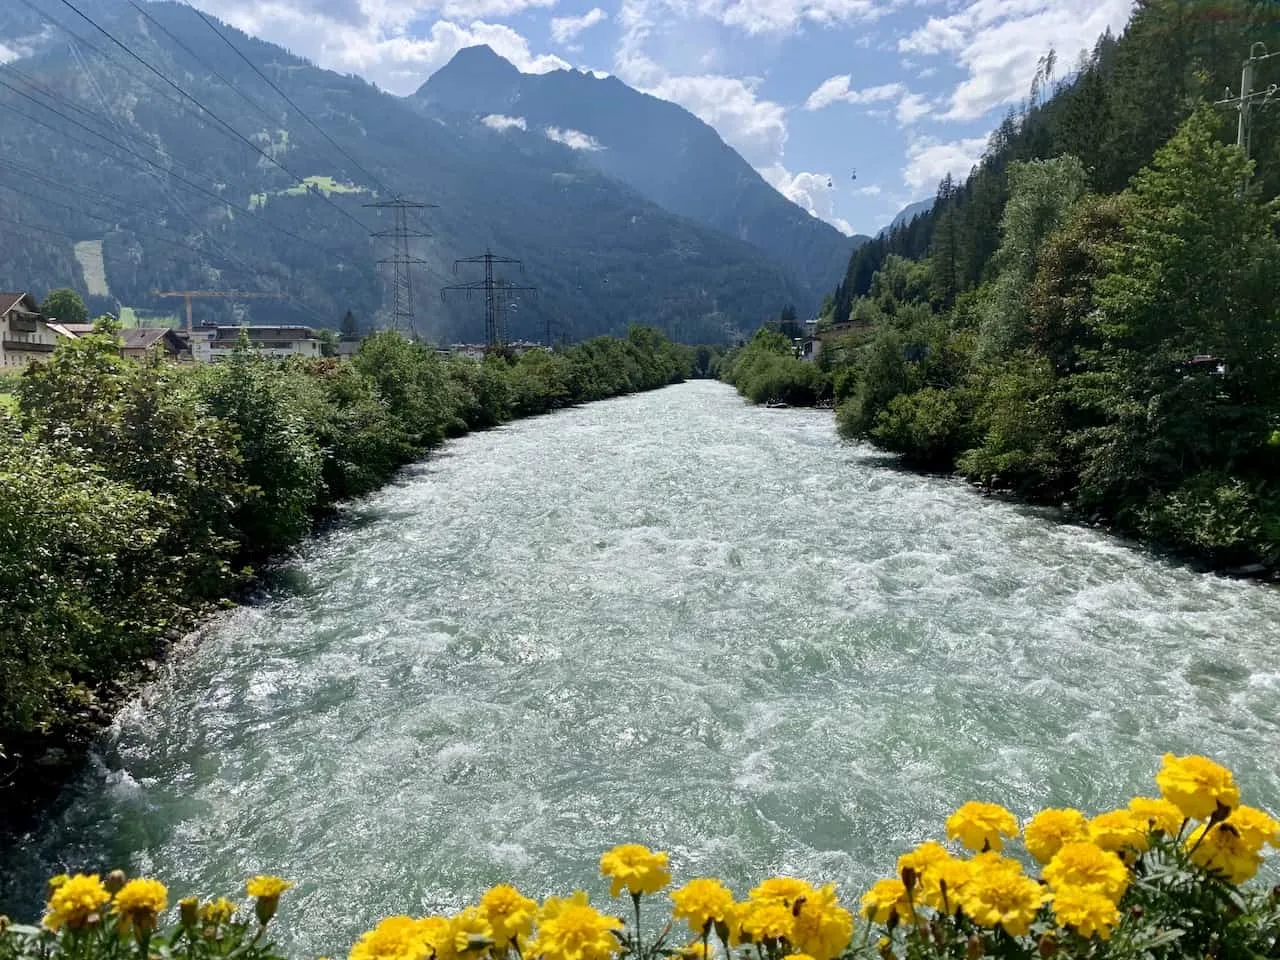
214,344
24,333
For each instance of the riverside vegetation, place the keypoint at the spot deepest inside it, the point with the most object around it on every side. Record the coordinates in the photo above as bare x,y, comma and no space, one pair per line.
136,496
1117,359
1162,878
1092,318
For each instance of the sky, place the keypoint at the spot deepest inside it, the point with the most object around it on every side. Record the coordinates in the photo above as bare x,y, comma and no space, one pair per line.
851,108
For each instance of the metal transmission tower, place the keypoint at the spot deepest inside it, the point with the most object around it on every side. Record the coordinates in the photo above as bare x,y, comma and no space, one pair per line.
401,259
494,290
1250,98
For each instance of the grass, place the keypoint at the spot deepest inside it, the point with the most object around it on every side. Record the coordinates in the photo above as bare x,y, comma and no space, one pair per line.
8,402
326,185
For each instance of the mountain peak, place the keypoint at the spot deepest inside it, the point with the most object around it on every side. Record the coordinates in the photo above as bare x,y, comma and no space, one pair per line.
473,76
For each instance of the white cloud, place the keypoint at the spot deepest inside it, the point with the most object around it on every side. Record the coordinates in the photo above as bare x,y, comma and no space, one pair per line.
810,191
911,108
754,127
871,191
477,9
498,121
376,38
829,91
7,54
928,160
564,29
927,72
999,42
779,16
573,139
836,90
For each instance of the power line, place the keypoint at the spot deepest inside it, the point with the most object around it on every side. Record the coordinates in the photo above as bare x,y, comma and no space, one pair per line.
170,173
196,57
232,130
287,99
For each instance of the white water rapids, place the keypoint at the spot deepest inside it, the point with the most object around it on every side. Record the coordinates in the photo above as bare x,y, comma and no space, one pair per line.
674,619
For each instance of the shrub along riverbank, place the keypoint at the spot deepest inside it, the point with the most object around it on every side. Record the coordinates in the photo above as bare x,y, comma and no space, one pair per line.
135,497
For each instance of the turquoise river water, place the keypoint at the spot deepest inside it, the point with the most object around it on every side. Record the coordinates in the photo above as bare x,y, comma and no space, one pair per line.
673,619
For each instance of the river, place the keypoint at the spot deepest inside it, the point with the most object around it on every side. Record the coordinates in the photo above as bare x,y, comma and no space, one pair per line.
674,619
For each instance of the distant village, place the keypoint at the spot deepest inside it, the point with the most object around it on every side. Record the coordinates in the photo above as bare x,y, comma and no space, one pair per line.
28,335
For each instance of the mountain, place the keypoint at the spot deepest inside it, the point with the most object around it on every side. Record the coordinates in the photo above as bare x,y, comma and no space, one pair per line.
655,146
909,213
185,191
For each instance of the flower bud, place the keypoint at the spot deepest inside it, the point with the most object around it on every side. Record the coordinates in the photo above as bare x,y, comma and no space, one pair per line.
4,923
1048,946
908,877
885,946
115,881
975,948
265,908
189,911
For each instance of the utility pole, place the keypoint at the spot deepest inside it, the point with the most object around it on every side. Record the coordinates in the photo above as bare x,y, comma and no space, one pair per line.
492,288
401,260
188,295
1249,98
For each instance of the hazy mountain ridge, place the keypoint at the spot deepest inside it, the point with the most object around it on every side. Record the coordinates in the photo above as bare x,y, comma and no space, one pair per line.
656,146
602,255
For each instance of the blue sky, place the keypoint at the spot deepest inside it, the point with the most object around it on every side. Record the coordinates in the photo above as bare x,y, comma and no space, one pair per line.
808,91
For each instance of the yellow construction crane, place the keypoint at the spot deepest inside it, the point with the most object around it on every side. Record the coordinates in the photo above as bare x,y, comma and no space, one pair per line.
188,295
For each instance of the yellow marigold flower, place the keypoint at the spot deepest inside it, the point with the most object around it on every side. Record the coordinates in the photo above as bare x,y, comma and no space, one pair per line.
1159,814
762,920
982,826
57,880
1255,827
1087,865
395,938
701,902
694,951
797,956
139,902
1223,850
992,862
635,867
218,911
1002,898
886,900
509,913
1196,785
943,883
76,902
575,930
437,933
1120,831
1048,830
1086,911
822,928
266,886
782,889
922,857
471,930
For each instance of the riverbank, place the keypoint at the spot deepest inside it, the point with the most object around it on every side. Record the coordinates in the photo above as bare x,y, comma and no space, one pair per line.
163,490
674,617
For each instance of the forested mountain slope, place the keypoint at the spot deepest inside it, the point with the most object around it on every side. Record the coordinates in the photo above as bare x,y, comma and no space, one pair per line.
657,147
97,146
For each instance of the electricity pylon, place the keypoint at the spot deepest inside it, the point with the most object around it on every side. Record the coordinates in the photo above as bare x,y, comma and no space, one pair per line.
402,261
1249,98
491,288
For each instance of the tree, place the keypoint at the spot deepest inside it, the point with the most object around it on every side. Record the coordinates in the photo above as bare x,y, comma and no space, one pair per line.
1196,273
349,326
65,306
